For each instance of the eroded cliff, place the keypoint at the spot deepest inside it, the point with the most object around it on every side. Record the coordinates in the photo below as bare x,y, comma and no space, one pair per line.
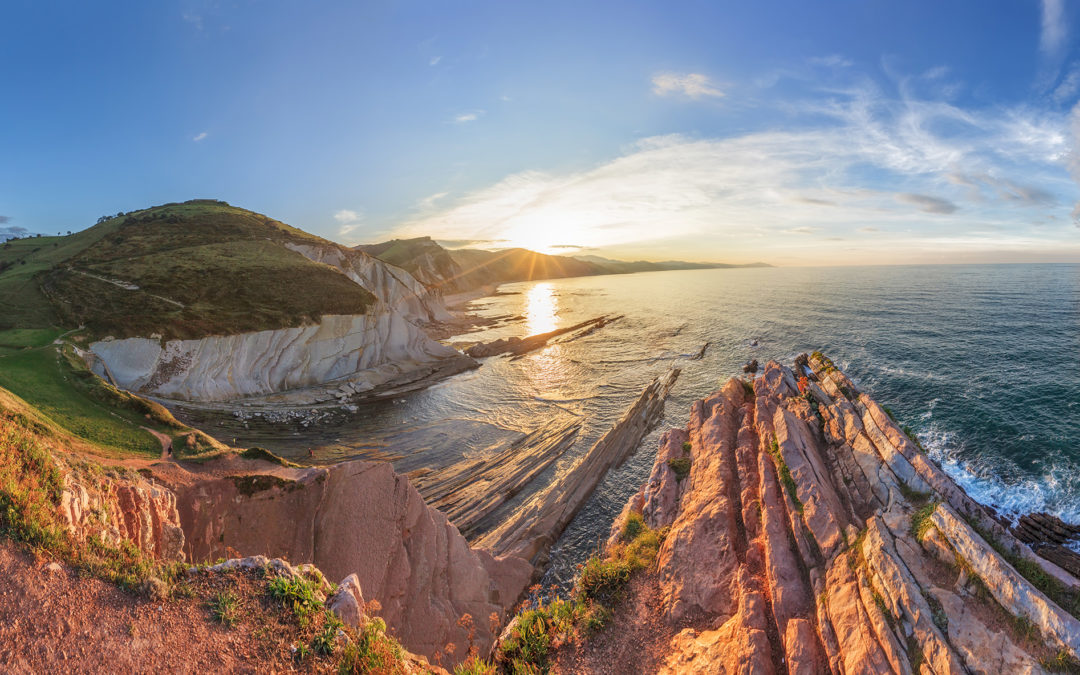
805,532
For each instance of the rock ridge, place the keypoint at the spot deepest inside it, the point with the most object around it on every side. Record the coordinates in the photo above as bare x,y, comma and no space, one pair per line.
810,534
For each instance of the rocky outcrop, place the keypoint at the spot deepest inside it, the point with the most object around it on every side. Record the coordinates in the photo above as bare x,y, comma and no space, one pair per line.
122,508
359,518
811,535
359,352
393,286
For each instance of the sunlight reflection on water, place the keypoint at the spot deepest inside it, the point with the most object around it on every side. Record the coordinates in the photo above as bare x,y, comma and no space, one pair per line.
541,308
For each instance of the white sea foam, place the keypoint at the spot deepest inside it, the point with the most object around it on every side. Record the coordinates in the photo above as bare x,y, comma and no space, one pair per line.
1054,492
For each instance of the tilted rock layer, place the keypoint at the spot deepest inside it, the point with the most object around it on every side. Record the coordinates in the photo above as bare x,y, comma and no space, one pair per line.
813,536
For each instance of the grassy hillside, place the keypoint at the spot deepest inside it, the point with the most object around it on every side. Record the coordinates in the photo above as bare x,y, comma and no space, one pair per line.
182,270
421,257
53,382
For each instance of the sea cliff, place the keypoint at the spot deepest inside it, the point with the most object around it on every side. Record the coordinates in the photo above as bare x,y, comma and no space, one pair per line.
803,531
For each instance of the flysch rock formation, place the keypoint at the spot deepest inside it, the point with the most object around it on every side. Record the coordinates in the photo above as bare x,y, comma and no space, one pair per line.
359,518
813,536
531,530
342,354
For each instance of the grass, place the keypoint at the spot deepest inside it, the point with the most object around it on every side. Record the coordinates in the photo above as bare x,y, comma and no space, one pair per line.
920,520
55,382
228,267
223,607
600,586
298,595
264,454
371,651
786,479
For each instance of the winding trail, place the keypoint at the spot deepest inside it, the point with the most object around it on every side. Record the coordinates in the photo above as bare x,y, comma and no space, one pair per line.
166,442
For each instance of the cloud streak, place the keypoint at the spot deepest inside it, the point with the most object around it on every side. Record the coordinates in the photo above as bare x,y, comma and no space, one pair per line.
1054,30
926,203
692,85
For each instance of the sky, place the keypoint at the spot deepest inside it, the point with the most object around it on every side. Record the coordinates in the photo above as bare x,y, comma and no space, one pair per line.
795,133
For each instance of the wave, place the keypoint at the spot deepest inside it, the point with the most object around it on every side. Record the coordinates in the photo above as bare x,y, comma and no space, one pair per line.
1056,491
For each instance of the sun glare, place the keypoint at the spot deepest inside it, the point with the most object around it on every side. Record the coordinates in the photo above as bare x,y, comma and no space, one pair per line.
541,308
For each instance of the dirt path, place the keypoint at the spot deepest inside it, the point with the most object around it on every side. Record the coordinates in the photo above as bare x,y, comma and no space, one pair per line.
166,442
126,286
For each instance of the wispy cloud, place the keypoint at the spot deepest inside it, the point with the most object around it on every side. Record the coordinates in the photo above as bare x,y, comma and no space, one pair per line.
831,61
1054,28
927,203
693,85
200,136
879,166
348,220
194,20
470,116
434,61
429,202
4,220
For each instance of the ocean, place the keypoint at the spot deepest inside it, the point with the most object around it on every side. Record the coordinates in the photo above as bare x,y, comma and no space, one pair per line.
981,361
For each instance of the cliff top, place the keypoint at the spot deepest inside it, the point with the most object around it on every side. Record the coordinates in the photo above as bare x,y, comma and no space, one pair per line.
179,270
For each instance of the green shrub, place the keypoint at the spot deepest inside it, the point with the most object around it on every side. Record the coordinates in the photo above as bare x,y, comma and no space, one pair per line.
373,651
325,640
681,467
298,595
474,665
601,584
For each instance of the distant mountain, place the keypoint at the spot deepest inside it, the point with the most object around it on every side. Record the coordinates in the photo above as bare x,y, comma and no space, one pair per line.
622,266
457,270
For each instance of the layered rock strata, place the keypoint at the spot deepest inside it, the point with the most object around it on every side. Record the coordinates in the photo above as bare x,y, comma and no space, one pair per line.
531,530
117,509
354,352
811,535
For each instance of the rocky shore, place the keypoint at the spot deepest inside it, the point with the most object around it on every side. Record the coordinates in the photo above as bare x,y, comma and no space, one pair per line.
805,532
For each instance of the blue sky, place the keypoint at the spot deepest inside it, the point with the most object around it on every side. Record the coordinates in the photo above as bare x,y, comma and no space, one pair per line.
791,132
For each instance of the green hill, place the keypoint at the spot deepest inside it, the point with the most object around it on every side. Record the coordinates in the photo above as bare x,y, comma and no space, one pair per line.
430,263
180,270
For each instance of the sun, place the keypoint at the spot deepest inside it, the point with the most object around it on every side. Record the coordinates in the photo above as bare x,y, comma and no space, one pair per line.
548,238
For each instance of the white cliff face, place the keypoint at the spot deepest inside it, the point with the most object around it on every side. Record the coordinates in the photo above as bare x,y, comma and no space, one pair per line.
361,351
392,285
221,368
